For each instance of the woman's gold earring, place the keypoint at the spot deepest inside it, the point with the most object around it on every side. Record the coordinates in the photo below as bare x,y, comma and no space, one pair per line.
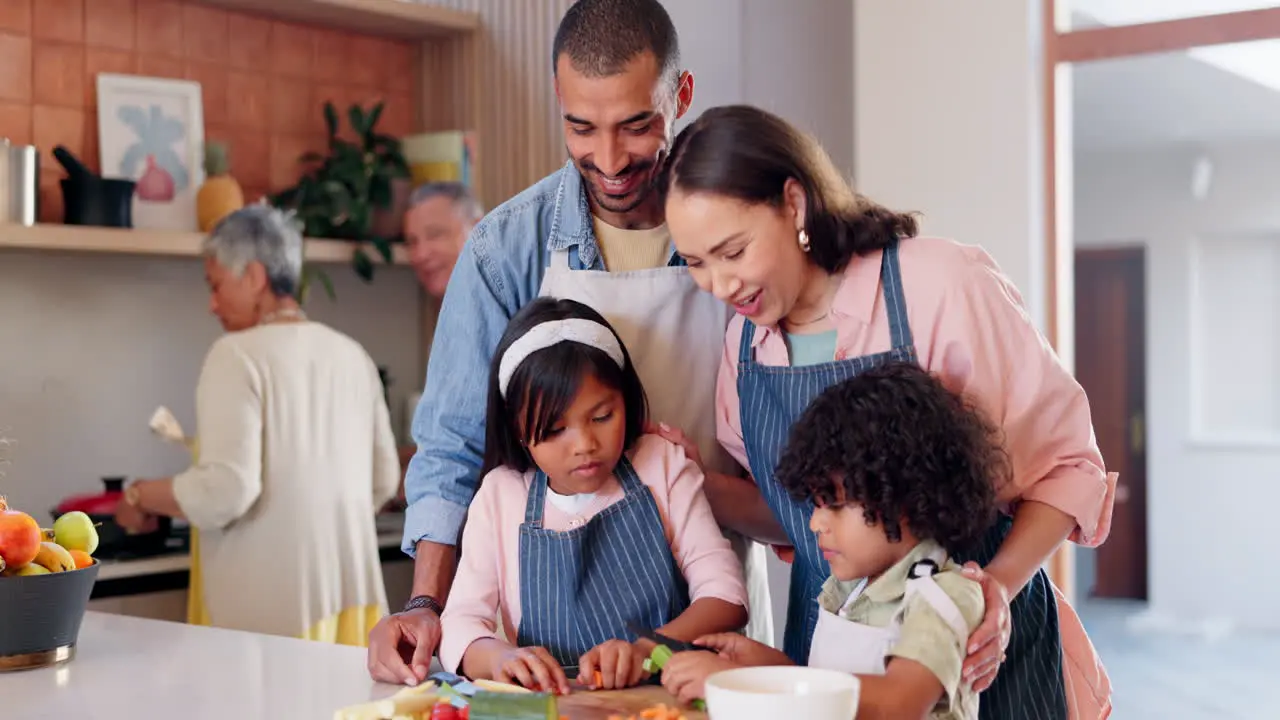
804,240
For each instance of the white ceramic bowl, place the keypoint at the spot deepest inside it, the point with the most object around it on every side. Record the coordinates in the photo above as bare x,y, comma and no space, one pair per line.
769,693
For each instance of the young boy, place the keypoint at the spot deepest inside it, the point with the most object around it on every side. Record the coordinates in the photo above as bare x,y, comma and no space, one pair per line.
902,474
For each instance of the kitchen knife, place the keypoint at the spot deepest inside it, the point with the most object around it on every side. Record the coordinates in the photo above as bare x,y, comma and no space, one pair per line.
672,644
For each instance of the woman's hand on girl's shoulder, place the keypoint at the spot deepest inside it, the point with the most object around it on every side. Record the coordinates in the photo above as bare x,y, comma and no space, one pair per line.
612,665
677,436
532,668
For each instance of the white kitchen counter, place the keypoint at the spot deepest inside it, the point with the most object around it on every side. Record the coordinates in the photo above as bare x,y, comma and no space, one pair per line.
129,668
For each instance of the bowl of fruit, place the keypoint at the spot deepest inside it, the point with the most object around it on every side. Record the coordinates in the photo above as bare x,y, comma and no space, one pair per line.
46,578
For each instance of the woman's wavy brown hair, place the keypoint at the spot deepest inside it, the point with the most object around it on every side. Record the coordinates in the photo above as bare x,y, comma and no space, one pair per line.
748,154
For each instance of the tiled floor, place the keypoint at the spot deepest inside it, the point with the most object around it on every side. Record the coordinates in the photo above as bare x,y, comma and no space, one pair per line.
1160,671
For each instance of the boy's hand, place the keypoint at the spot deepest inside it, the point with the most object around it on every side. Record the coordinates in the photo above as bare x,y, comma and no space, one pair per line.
741,650
686,673
617,663
531,667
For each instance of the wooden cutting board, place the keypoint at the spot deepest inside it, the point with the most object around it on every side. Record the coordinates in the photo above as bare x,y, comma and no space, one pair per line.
601,704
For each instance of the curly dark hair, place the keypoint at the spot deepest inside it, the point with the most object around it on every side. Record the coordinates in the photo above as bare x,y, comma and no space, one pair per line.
896,442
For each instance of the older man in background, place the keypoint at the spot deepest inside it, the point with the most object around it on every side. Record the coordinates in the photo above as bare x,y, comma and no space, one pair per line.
440,216
436,226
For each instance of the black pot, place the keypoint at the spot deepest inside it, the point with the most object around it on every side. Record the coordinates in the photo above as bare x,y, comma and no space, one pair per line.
114,542
92,200
42,616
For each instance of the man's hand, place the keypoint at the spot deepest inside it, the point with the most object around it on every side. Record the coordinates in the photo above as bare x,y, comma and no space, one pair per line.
401,646
619,663
988,642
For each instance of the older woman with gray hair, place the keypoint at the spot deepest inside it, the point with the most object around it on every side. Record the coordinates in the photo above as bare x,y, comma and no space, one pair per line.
295,453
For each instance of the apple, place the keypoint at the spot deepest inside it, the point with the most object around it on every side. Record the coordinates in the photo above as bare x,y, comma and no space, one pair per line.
75,531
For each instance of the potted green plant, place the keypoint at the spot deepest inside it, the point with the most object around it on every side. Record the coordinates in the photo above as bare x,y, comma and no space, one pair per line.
349,193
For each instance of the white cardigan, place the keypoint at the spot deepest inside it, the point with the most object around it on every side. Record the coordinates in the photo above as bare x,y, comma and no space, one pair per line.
296,456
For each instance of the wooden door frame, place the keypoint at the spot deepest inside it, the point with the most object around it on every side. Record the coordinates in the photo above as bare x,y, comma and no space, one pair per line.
1073,46
1129,259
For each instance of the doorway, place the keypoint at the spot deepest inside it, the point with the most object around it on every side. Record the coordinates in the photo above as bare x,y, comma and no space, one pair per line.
1110,342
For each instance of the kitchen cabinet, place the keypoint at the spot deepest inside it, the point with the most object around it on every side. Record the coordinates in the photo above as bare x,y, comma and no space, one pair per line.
156,587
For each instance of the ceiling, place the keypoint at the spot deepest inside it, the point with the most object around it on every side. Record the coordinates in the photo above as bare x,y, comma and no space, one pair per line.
1222,93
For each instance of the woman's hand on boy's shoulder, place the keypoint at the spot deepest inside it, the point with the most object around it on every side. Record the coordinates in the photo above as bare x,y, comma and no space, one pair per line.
612,665
987,643
530,667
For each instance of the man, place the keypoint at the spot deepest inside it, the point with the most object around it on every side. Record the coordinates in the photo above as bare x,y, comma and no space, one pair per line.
575,234
439,218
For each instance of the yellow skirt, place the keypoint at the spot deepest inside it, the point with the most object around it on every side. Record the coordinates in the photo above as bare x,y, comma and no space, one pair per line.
348,627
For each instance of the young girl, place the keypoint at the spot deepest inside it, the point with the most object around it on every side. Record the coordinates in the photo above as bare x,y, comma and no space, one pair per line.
903,475
582,526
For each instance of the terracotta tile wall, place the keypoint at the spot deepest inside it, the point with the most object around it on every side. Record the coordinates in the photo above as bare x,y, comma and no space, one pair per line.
264,81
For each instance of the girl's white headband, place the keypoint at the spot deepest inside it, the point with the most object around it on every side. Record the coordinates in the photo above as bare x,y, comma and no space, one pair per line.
585,332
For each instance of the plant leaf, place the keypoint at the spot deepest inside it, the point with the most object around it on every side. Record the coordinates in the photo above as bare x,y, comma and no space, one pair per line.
356,116
380,190
362,264
331,119
327,283
383,246
372,120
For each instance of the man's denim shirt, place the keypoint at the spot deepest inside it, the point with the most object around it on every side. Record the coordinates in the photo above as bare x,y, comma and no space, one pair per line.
499,271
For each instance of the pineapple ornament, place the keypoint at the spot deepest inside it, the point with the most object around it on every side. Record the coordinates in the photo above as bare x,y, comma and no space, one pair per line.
220,195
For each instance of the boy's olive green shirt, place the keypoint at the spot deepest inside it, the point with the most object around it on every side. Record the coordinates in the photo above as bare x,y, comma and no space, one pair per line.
926,637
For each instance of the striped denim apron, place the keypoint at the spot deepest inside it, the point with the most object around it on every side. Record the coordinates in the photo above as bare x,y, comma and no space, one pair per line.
580,588
1029,685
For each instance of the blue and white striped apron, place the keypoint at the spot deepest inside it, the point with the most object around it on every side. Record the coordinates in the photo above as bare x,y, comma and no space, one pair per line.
771,398
580,588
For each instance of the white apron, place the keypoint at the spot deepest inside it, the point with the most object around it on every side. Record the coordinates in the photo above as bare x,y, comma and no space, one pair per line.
675,335
855,648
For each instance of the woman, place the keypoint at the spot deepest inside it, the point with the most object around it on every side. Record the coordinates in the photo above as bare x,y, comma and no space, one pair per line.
296,453
827,284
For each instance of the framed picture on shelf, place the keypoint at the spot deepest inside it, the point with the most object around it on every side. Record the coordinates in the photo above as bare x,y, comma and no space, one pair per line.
151,130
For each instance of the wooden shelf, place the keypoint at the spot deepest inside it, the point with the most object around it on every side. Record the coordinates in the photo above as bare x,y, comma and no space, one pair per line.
89,239
392,18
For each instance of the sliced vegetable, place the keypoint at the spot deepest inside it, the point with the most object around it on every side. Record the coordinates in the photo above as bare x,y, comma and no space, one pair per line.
657,712
500,687
487,705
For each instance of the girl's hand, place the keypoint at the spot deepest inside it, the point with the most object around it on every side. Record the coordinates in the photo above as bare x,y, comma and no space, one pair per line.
617,663
532,668
686,673
987,643
741,650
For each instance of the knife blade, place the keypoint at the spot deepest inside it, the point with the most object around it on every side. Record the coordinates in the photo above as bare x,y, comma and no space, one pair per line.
657,637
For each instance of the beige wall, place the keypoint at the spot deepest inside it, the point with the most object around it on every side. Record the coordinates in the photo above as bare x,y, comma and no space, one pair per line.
519,133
